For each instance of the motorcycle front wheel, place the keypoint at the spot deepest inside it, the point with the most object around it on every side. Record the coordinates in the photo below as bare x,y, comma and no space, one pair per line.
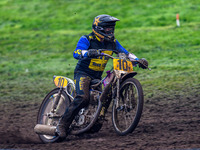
47,117
127,111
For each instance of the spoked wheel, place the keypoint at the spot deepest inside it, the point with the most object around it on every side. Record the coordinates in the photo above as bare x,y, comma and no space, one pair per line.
47,117
126,112
86,117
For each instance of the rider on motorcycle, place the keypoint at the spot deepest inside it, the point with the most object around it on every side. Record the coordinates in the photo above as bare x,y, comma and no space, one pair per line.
90,66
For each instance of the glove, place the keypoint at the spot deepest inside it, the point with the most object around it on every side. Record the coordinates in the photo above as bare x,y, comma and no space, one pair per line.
143,63
92,53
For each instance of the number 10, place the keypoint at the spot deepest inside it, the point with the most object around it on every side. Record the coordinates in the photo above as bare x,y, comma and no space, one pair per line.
61,81
123,65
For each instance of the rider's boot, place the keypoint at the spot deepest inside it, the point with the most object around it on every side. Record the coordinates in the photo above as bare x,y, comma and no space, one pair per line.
69,115
62,128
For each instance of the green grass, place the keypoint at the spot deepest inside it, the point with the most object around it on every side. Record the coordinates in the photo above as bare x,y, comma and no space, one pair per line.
37,39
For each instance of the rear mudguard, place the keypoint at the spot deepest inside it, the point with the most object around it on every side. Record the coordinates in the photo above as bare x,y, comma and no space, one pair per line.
128,75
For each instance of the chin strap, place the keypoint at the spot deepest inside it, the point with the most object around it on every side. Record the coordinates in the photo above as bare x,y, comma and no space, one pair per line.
99,35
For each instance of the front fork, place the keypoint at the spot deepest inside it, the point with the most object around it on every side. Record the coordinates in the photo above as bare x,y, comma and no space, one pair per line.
115,92
56,100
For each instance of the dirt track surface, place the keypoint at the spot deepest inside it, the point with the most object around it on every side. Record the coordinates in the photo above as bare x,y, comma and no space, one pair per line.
166,124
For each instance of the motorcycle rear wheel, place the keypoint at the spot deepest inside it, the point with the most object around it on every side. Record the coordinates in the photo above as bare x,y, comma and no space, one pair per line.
126,113
47,118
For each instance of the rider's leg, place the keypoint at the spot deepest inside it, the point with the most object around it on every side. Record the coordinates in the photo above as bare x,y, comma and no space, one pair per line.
105,105
81,100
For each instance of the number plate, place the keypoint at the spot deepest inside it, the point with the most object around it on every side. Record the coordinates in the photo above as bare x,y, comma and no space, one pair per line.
60,81
122,65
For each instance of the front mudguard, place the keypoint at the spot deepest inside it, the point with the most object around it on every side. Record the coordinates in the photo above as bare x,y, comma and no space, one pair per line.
128,75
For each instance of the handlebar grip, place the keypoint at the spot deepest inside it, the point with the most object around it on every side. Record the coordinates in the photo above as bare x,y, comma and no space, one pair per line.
141,63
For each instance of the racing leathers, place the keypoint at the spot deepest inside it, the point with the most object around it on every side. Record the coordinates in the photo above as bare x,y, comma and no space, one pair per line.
86,70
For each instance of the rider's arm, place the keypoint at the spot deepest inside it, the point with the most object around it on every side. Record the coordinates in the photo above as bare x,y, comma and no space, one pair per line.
121,49
81,48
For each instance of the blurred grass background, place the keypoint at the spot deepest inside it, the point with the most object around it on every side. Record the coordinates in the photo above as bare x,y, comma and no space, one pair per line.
38,37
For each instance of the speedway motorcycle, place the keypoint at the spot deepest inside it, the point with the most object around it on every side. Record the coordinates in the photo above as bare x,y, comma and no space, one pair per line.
119,87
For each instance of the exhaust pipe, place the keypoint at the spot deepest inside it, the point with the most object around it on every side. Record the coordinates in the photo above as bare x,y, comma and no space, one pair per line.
45,129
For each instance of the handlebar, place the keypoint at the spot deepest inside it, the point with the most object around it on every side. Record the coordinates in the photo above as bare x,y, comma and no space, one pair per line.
104,54
137,61
100,50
